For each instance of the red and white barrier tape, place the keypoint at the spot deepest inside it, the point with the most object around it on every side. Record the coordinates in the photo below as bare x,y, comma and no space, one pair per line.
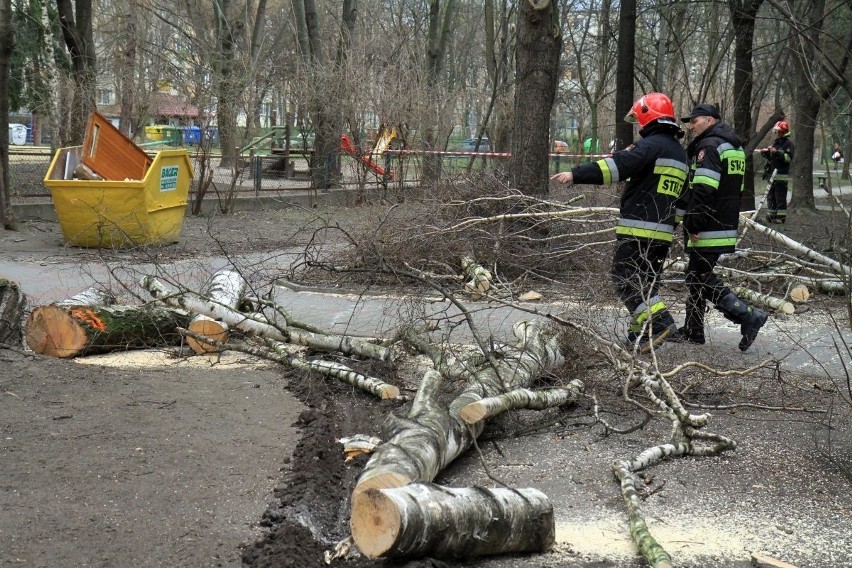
494,154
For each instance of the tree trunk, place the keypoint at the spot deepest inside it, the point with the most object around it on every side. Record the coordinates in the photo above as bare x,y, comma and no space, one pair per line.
743,13
425,519
12,305
73,331
229,85
624,72
76,25
520,398
539,46
7,41
127,80
258,324
431,436
807,101
227,287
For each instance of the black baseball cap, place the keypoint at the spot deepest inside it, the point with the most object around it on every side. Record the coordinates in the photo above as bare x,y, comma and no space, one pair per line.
703,109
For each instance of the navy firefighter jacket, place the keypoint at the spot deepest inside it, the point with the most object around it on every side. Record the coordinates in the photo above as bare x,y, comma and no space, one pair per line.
655,170
712,198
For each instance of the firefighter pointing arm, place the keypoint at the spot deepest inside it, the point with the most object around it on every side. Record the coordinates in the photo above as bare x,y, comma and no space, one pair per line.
654,171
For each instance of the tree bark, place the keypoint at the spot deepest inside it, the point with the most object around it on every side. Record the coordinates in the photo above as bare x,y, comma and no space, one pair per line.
743,14
13,302
73,331
624,73
520,398
425,519
431,436
227,288
811,254
7,41
258,323
539,46
76,22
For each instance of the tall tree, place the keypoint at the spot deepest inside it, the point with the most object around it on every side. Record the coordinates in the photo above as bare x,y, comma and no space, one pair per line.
539,45
743,13
75,19
7,42
440,25
815,79
127,68
624,72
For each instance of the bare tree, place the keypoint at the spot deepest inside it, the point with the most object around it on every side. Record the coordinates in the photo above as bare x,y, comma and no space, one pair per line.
75,18
815,80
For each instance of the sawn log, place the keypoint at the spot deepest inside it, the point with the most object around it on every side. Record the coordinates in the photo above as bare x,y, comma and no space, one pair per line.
226,287
443,522
70,331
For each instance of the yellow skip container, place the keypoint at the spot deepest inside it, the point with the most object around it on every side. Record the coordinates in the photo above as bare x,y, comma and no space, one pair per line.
98,213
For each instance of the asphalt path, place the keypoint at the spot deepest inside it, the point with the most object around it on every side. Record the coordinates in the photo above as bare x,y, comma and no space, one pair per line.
806,341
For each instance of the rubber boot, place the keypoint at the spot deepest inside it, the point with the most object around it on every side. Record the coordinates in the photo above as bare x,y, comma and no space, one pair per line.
693,328
750,319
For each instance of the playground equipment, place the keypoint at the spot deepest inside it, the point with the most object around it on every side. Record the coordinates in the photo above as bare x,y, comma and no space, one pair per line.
383,141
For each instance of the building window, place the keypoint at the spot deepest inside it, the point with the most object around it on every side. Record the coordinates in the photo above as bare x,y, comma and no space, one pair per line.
105,97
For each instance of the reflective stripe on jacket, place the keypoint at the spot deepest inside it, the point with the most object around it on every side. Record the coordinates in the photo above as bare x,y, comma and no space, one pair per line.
655,171
712,198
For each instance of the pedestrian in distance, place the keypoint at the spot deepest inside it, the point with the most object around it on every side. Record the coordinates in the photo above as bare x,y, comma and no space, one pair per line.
779,155
837,155
654,169
711,205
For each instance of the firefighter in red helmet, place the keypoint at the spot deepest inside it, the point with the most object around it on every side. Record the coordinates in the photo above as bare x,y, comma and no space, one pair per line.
778,155
654,170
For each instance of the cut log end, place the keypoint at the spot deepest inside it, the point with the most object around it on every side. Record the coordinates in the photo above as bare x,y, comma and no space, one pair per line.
51,331
390,392
787,309
473,413
375,523
207,327
800,293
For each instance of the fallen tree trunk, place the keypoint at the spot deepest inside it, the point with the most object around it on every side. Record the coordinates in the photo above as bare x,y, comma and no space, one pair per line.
258,324
426,519
520,398
89,297
227,288
811,254
776,304
13,302
70,331
432,435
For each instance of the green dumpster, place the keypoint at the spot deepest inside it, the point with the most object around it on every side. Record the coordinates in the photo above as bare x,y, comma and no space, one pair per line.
172,135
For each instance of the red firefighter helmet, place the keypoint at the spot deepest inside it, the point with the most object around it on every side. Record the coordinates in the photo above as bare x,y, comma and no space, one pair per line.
782,127
651,107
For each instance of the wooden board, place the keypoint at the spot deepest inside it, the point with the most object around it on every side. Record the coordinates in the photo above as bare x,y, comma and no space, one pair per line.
111,154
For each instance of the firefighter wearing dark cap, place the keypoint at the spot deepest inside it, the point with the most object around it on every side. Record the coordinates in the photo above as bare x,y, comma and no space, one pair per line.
654,169
712,207
778,156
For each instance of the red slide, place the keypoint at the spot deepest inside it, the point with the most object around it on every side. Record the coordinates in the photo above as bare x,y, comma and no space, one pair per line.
347,146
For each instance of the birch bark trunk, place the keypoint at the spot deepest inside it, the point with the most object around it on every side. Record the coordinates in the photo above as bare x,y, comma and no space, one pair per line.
413,521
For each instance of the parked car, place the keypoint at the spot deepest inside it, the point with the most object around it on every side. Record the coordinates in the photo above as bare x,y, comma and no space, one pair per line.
469,145
560,147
